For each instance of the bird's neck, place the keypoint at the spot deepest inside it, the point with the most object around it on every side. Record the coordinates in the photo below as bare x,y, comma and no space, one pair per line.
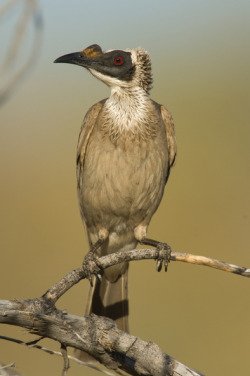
127,112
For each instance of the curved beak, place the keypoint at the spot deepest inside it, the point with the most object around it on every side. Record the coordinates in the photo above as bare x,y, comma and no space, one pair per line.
85,58
77,58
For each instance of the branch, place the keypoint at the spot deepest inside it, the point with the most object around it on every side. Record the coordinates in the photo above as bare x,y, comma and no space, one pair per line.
213,263
99,336
34,345
56,291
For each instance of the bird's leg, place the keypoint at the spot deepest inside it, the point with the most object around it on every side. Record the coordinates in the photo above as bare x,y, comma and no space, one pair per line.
90,263
97,245
163,252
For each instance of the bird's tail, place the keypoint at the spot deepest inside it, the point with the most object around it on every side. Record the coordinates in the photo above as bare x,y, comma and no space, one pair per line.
110,299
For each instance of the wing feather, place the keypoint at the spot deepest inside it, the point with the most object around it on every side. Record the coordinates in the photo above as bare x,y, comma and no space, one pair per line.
85,133
170,133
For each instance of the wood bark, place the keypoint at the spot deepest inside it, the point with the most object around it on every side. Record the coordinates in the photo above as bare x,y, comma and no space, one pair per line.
99,336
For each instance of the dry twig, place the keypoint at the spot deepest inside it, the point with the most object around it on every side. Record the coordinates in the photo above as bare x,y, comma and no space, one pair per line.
56,291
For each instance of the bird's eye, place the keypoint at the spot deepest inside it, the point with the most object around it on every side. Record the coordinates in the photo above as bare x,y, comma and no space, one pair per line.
118,60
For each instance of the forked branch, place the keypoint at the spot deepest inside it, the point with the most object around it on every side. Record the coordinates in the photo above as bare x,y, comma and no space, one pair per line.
56,291
100,336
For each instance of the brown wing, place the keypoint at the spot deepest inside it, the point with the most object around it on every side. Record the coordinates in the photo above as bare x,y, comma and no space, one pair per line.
85,132
170,133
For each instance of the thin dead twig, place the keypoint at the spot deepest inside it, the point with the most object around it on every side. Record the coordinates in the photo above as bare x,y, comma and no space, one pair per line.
34,345
56,291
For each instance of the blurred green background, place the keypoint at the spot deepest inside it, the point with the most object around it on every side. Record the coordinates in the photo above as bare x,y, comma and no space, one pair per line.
200,54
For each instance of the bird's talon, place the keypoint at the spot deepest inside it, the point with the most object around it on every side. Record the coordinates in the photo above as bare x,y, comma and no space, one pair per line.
163,254
158,265
91,266
98,276
167,261
89,277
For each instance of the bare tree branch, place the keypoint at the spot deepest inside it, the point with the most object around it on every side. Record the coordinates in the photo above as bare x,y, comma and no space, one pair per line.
213,263
9,370
65,359
34,345
99,336
56,291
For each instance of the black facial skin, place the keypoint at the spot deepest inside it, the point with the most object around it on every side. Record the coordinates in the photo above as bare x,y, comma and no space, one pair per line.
102,62
124,71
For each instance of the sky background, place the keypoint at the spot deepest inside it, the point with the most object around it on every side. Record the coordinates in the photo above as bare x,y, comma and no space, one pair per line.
200,54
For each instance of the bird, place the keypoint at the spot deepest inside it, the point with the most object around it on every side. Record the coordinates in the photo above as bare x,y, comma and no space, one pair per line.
126,149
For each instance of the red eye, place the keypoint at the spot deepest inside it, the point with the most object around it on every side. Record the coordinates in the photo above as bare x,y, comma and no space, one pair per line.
118,60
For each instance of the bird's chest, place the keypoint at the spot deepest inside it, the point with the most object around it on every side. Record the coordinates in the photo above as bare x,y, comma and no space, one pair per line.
113,167
124,176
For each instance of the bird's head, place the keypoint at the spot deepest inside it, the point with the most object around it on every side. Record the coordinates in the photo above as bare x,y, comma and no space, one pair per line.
116,68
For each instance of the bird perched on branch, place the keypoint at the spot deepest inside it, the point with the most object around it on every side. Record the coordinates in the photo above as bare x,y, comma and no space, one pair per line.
125,151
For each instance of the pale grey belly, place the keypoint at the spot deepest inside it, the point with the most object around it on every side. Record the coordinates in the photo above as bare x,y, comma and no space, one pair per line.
121,188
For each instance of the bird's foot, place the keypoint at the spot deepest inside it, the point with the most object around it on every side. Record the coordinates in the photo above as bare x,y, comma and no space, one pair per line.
91,266
163,254
90,263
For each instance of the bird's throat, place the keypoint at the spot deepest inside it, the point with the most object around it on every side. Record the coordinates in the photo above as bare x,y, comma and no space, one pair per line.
127,113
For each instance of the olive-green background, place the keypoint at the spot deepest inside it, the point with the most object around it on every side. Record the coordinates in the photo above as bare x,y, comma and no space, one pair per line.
200,53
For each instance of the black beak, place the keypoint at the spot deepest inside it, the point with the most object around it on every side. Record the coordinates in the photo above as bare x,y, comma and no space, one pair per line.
85,58
77,58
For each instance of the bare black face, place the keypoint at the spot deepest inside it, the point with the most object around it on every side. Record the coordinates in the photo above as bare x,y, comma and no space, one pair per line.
116,63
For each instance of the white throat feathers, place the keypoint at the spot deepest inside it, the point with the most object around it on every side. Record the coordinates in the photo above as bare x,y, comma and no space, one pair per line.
128,108
127,112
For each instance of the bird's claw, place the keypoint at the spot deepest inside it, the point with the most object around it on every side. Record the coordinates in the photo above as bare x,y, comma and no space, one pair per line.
91,266
163,253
